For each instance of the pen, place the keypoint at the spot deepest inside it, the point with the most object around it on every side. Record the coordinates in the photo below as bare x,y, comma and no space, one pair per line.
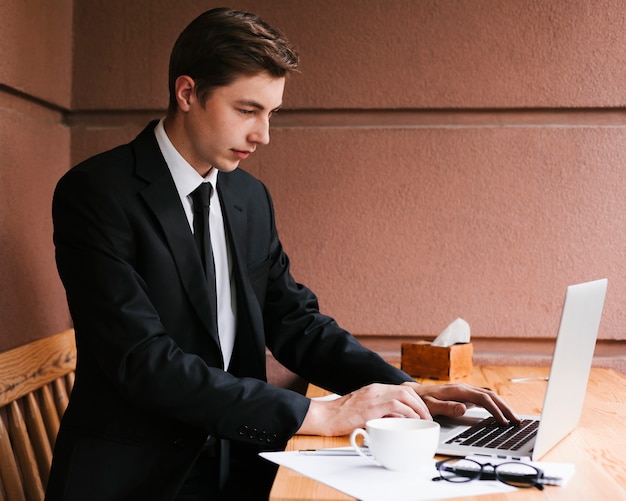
524,379
335,451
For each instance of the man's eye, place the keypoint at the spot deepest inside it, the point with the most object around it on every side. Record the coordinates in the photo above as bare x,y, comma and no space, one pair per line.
246,112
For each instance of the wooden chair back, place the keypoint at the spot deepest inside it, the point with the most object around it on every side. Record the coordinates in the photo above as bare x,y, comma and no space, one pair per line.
35,382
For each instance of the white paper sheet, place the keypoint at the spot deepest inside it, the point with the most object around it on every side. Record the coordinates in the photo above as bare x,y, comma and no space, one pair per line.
356,477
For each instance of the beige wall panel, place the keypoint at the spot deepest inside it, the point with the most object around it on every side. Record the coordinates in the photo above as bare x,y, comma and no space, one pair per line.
462,54
132,42
400,231
377,54
34,148
36,49
90,138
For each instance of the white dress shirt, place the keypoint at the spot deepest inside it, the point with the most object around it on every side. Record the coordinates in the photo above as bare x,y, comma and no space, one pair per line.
187,179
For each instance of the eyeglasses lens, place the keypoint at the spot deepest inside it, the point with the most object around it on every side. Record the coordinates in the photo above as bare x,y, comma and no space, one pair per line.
517,474
460,470
465,470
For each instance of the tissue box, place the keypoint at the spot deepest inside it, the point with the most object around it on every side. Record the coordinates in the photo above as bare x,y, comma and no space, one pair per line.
423,360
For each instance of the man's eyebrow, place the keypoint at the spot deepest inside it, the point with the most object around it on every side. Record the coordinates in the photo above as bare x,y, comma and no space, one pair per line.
258,106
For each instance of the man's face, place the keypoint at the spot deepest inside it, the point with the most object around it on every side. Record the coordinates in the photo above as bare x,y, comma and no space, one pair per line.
234,120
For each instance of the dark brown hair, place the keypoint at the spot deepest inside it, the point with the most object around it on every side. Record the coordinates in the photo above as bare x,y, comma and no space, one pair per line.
223,44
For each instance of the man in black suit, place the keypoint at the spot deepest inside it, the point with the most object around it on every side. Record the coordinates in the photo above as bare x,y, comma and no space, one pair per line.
171,399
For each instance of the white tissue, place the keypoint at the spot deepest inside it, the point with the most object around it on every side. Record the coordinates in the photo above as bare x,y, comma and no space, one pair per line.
457,332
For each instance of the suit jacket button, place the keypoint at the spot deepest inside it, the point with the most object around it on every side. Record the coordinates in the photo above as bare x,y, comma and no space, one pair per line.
243,431
179,443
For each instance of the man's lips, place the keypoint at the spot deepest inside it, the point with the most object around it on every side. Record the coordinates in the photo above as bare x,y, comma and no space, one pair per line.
242,155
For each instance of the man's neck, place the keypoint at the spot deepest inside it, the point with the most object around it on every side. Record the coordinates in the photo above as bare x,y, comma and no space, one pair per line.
175,132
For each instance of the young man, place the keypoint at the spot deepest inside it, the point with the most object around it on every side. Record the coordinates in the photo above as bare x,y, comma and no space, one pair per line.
171,399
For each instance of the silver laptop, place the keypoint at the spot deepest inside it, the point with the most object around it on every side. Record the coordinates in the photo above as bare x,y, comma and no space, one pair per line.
477,433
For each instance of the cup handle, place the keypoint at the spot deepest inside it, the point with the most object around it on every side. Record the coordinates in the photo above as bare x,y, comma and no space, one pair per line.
358,448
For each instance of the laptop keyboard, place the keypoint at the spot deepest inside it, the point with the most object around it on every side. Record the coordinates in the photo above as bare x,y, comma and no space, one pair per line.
489,433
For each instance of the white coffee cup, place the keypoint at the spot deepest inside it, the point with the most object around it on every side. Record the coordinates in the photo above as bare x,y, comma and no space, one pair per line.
398,443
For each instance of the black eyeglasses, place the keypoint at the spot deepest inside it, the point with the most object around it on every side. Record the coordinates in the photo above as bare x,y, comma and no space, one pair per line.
511,473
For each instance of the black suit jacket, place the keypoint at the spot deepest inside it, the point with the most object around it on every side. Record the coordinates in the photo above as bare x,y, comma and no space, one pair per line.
150,386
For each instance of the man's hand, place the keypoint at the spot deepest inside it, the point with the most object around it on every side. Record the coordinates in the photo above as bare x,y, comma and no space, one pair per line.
453,399
340,416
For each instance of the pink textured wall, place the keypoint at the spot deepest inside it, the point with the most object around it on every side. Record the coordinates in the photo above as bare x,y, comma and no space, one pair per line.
463,54
402,230
35,152
433,160
36,49
373,54
35,84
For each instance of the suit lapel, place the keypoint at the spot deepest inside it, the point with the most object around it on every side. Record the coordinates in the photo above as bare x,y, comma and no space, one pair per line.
162,198
249,353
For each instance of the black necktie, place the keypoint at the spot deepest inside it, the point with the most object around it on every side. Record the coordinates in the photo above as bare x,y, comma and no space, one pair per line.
201,198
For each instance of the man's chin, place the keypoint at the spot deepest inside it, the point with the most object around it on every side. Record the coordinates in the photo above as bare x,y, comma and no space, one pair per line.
226,168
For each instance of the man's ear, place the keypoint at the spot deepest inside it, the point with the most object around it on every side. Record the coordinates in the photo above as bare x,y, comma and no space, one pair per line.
185,88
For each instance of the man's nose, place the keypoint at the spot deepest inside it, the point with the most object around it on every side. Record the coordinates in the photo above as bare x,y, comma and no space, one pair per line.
261,132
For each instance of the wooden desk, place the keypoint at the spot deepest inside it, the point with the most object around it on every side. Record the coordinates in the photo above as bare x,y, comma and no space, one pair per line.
597,446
